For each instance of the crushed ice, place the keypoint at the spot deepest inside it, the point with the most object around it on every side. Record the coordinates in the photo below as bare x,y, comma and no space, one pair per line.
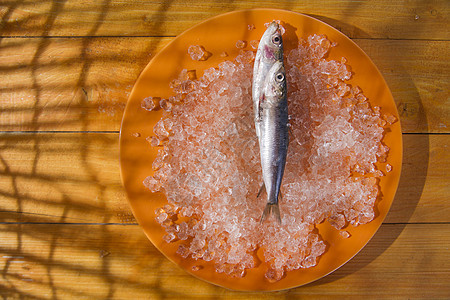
198,52
209,165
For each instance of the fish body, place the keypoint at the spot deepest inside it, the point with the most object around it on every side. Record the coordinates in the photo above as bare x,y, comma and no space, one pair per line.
270,50
271,118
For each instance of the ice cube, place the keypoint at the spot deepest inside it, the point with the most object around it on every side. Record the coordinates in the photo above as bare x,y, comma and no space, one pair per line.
198,53
150,103
240,44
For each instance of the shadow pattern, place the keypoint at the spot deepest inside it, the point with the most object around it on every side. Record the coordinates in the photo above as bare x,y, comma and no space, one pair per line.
46,233
39,248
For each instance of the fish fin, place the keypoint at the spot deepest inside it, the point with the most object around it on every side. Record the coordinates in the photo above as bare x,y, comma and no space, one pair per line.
280,197
271,209
263,187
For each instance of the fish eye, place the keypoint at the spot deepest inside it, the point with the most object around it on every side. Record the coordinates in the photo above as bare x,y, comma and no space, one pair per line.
279,77
276,40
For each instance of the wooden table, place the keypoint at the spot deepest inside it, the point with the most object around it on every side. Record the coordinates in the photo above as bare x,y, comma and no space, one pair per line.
66,69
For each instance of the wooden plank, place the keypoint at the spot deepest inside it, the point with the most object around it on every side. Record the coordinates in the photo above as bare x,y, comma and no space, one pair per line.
64,178
83,84
358,19
74,178
118,262
423,191
69,84
419,81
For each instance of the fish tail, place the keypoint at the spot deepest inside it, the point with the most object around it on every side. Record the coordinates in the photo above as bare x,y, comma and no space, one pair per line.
271,209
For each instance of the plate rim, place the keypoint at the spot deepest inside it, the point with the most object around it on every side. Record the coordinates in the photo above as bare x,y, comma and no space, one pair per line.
269,10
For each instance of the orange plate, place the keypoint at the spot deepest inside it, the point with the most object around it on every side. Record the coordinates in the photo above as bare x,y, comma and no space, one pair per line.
217,35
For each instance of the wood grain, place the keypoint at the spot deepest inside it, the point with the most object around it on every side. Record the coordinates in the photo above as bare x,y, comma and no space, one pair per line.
91,261
69,84
75,178
64,178
418,78
83,84
66,69
423,191
357,19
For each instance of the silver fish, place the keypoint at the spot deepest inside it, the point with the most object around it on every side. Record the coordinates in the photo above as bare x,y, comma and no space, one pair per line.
270,50
271,116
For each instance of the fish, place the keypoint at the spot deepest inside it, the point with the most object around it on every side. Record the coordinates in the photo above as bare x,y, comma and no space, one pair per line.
269,93
270,50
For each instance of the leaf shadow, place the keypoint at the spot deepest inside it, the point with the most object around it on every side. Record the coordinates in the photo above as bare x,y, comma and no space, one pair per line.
23,223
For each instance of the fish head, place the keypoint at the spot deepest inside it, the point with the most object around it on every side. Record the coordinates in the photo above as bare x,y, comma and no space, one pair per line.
275,85
271,45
